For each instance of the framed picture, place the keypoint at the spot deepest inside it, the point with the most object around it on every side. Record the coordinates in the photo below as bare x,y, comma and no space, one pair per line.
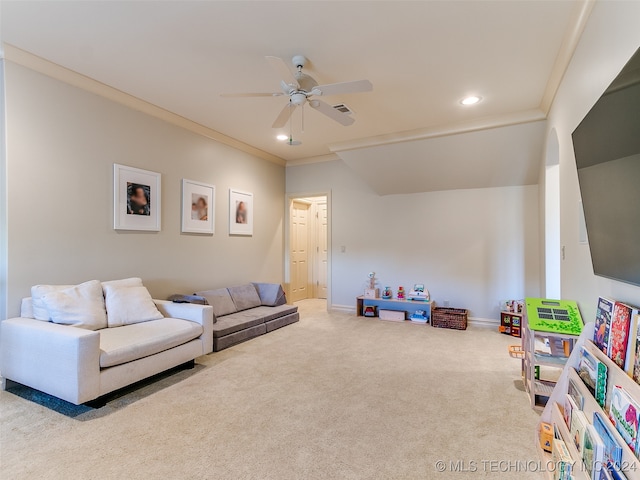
240,212
198,207
136,199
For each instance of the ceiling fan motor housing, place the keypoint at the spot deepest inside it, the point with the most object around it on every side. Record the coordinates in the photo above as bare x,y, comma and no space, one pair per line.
298,98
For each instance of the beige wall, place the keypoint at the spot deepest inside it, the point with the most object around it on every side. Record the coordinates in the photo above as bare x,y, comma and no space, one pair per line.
471,247
610,38
62,143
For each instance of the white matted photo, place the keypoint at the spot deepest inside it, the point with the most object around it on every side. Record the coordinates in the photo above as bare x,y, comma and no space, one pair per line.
136,199
240,212
198,207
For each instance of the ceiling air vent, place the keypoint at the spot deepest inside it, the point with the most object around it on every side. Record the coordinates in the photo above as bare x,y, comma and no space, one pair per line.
341,107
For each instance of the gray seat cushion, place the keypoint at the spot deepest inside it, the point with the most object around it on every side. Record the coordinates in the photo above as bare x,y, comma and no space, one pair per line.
220,343
245,297
271,313
250,318
236,322
220,300
124,344
282,321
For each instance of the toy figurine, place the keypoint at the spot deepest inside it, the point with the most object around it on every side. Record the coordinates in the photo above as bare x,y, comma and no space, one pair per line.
400,293
372,291
387,293
372,280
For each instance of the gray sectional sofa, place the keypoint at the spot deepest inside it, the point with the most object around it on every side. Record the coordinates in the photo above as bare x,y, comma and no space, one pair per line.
246,311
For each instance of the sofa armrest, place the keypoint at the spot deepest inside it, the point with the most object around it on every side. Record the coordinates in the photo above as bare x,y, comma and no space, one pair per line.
61,360
202,314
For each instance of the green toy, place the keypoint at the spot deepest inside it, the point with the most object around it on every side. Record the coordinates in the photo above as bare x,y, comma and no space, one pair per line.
554,316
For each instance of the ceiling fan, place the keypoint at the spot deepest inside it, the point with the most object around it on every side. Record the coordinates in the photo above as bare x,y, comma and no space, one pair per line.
300,87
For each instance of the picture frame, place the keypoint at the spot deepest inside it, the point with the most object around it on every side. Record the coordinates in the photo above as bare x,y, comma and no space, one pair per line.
136,199
198,207
240,212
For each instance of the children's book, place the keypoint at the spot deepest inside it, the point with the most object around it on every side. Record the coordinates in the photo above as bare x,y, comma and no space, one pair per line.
603,324
569,407
612,450
604,475
619,333
594,375
614,472
625,416
633,350
574,392
592,452
562,460
579,424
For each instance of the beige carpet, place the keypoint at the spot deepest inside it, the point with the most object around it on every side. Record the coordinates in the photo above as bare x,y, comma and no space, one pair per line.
330,397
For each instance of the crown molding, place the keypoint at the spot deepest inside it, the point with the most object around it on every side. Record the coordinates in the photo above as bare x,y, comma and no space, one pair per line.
58,72
479,124
565,54
330,157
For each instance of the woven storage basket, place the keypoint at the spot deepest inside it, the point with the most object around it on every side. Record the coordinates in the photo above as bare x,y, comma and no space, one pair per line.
455,318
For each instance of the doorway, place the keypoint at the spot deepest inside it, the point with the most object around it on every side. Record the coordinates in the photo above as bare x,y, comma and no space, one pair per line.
308,249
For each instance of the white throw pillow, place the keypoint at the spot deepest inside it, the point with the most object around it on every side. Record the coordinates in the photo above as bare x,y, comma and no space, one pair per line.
127,305
125,282
80,306
40,311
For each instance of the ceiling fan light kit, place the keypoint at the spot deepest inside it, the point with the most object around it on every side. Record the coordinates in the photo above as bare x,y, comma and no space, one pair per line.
300,87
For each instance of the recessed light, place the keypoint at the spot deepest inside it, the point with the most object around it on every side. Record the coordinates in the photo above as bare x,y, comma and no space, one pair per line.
282,137
472,100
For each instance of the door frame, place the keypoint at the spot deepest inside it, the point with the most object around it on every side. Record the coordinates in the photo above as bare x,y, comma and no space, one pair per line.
290,197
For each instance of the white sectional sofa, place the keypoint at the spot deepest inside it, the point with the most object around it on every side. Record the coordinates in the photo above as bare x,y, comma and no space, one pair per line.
78,362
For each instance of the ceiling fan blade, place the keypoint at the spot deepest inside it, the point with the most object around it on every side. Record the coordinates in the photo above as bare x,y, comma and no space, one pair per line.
284,115
285,73
332,113
240,95
343,87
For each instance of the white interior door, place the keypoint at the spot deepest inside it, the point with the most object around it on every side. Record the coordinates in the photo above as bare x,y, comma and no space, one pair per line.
322,241
299,250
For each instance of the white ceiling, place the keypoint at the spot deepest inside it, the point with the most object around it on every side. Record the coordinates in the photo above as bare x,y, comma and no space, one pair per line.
421,56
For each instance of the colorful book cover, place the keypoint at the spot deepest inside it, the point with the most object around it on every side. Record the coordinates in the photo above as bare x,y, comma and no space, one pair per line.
612,450
579,424
562,460
604,475
619,333
633,352
603,324
594,375
614,472
592,452
625,416
569,407
574,392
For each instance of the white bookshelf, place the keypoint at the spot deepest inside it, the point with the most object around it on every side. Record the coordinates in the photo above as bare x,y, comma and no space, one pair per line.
615,376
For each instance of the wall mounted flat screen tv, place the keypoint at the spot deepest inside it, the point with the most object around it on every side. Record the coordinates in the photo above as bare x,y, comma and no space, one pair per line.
607,150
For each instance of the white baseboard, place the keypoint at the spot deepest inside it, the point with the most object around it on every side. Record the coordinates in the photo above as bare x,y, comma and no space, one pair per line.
343,309
483,322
